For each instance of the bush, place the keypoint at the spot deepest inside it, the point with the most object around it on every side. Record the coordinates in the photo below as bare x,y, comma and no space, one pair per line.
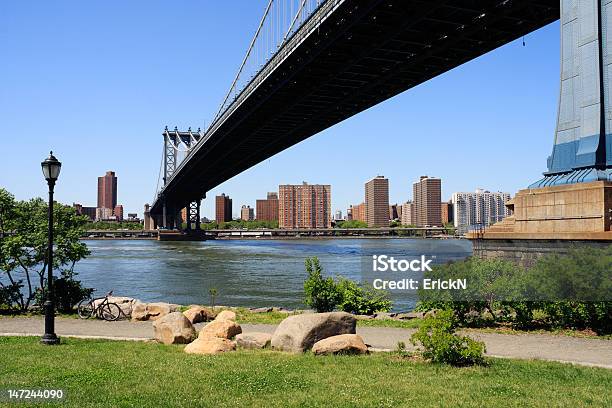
68,293
10,295
492,286
321,293
441,345
325,294
571,291
359,300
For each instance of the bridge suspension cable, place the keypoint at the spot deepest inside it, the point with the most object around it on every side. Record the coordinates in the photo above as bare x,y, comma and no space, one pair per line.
281,18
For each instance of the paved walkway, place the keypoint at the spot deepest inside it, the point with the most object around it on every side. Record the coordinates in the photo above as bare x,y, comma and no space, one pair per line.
583,351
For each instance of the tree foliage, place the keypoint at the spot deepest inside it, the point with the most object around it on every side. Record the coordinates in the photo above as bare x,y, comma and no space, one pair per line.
240,224
572,290
351,224
23,246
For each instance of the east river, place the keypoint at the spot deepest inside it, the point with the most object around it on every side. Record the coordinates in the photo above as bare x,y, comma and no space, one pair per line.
251,273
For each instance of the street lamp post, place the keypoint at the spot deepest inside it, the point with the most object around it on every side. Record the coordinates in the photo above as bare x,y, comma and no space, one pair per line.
51,169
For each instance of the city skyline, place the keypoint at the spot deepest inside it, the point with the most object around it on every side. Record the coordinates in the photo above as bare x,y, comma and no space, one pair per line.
470,148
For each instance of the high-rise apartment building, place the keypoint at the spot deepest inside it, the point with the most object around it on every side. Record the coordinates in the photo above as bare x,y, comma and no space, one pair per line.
338,216
408,214
118,213
87,211
377,202
107,191
223,208
304,206
395,212
267,210
358,212
427,194
479,209
247,213
446,212
104,214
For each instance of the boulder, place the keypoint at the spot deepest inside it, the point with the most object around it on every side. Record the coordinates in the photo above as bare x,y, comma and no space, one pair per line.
298,333
260,309
226,315
342,344
213,345
410,315
174,328
431,313
198,314
152,311
224,329
384,316
254,340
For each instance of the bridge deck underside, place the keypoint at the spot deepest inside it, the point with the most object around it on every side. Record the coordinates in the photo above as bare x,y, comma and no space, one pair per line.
365,52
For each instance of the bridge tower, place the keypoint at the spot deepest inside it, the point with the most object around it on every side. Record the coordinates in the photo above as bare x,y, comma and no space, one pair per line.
573,202
582,150
173,141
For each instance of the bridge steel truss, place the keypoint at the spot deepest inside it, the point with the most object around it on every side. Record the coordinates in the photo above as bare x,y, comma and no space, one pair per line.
347,57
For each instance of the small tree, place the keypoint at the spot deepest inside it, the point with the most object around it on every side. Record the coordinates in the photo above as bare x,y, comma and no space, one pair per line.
23,247
213,292
321,293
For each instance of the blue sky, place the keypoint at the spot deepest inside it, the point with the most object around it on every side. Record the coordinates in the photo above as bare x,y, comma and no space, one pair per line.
97,81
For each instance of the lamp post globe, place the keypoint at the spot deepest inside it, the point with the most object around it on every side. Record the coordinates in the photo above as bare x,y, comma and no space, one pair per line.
51,169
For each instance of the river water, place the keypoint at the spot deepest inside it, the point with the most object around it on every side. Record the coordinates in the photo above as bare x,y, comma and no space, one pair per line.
251,273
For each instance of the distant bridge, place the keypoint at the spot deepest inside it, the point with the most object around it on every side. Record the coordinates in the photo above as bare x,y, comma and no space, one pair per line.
321,62
417,232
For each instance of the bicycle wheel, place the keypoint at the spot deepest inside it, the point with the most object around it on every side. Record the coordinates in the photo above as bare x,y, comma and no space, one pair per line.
85,309
110,312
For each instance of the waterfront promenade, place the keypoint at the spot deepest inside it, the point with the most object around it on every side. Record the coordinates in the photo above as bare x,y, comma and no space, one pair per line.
562,348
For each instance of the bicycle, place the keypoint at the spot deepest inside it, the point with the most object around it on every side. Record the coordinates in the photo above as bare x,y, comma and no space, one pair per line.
105,310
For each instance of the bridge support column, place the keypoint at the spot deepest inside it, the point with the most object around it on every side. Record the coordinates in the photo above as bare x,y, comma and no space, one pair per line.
582,150
193,215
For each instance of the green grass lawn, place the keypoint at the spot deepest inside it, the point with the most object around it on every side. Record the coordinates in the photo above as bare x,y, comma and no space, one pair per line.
133,374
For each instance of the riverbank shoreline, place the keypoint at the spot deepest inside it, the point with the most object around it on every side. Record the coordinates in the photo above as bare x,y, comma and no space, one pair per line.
278,238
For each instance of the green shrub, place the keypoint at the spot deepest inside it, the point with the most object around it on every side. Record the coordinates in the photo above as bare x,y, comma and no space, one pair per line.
357,299
326,294
68,293
10,296
492,285
441,345
321,293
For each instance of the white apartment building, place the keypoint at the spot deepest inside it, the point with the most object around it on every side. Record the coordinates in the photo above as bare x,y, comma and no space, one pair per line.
479,209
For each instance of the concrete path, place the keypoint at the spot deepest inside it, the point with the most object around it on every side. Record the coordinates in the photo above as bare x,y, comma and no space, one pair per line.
582,351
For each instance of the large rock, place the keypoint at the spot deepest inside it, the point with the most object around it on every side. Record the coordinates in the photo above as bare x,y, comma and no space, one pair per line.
198,314
152,311
342,344
226,315
298,333
254,340
213,345
174,328
224,329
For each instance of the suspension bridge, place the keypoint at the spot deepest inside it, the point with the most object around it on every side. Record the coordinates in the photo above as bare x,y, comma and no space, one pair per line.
314,63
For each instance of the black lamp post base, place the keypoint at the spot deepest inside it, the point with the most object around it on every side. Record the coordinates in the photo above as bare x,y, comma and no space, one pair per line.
50,339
